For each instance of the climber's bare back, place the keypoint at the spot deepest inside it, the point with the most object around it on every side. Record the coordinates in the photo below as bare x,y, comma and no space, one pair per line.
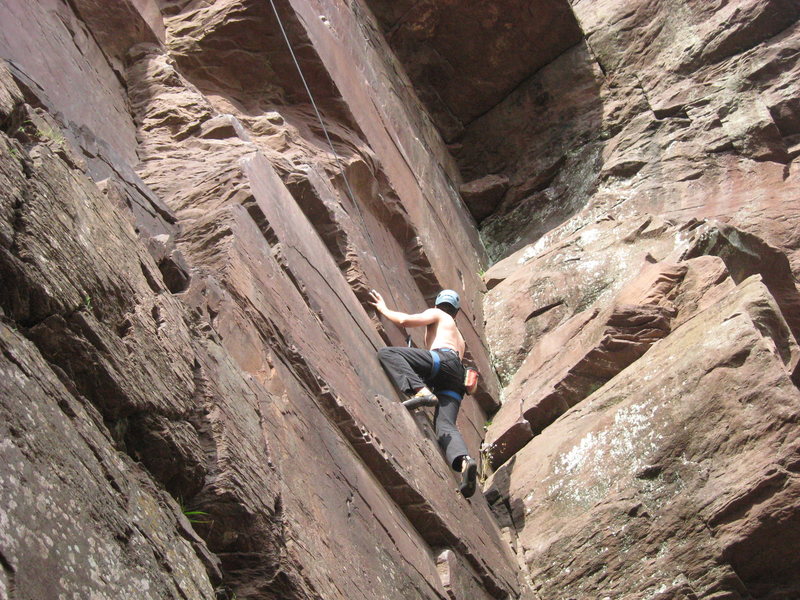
443,333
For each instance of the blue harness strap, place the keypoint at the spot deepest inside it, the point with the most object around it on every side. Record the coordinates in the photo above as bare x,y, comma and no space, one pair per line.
436,364
450,394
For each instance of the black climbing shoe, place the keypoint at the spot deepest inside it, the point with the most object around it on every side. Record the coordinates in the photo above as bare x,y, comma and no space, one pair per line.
421,400
469,474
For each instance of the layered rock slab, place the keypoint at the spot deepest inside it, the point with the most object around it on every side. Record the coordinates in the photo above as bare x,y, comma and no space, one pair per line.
282,305
583,355
398,132
320,319
540,287
465,58
668,478
92,319
679,109
74,64
583,351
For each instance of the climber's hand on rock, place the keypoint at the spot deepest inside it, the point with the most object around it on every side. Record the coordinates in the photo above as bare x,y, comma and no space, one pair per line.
377,301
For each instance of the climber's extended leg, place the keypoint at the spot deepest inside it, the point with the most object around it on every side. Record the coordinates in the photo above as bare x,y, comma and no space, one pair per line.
447,433
453,444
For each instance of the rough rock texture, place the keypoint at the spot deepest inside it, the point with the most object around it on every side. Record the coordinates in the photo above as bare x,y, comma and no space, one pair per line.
79,518
200,291
571,326
677,479
580,356
578,349
680,108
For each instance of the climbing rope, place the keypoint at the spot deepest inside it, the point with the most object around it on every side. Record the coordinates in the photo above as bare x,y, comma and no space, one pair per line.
350,193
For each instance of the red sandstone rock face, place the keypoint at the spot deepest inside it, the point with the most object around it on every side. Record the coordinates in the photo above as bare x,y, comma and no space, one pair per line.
676,115
253,395
247,208
678,109
678,477
184,275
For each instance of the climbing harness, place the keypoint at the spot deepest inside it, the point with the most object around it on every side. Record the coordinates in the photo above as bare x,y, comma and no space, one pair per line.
437,363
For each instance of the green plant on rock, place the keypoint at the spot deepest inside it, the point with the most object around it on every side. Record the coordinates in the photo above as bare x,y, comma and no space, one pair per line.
196,517
42,131
51,134
192,515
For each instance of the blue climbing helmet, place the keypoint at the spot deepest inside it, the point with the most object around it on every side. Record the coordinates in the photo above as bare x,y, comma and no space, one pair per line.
449,297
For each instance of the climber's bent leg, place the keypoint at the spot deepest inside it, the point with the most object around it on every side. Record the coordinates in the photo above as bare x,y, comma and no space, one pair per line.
406,367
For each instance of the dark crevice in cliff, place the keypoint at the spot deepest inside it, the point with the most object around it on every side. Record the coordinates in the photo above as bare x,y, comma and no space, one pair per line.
603,68
10,575
511,92
540,311
18,224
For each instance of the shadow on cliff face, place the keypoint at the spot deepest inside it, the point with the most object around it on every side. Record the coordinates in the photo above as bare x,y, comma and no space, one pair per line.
532,161
516,92
464,58
638,112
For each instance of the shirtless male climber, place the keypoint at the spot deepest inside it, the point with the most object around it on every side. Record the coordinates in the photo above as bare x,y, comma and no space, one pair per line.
413,370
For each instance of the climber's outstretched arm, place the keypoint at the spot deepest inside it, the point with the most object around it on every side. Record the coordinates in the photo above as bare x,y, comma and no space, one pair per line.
400,318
